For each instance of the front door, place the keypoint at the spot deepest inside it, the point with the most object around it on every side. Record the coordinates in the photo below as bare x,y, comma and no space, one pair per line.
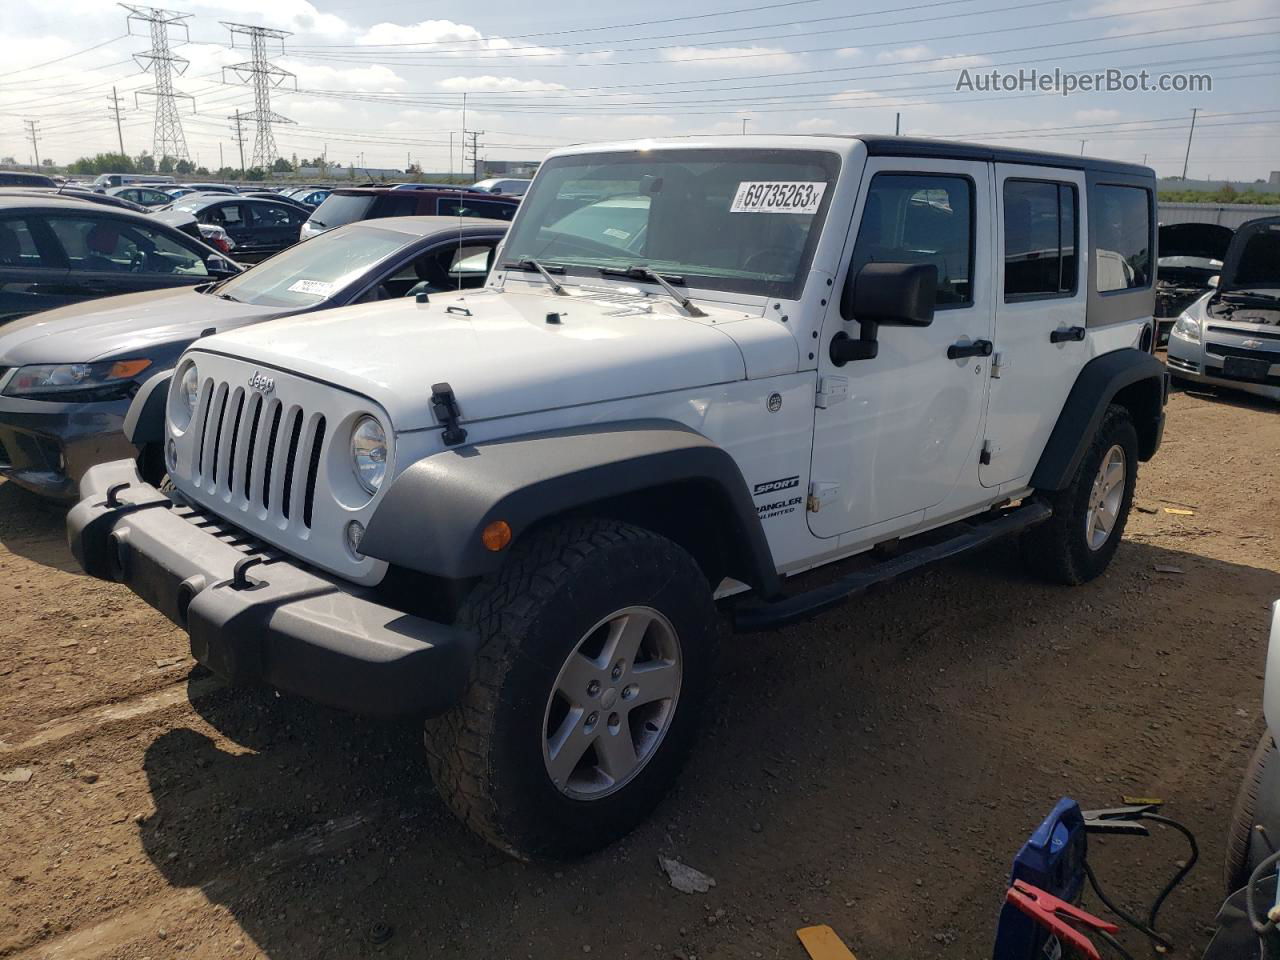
897,434
1040,310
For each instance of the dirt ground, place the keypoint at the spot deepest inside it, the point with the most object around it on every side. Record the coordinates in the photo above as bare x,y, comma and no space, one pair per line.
875,769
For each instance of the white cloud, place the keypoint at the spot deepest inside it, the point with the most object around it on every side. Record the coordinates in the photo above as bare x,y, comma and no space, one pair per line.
374,79
962,61
495,84
904,54
745,57
815,125
459,40
849,52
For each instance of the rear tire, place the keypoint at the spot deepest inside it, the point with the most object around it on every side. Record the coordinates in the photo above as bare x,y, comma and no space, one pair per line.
552,676
1240,837
1077,543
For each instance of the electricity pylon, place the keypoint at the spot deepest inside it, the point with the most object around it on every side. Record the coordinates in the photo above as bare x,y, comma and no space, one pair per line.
161,63
265,76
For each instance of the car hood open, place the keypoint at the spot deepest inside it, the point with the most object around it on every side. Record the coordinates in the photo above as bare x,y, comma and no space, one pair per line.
1252,261
502,355
134,324
1204,241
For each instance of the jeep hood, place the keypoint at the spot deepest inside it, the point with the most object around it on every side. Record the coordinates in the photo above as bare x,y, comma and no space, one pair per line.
138,324
500,355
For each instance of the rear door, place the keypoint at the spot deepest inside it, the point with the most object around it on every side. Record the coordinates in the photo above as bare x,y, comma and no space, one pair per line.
1040,306
32,272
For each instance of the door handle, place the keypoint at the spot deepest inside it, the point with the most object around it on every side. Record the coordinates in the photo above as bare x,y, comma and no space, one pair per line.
1063,334
978,348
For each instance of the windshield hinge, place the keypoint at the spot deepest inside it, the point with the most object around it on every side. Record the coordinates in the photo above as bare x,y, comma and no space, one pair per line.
445,408
831,390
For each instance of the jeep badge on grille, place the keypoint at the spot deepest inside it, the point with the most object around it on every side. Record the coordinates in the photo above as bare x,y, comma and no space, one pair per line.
259,382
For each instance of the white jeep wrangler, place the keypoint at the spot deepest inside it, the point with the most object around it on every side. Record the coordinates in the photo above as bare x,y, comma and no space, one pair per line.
698,368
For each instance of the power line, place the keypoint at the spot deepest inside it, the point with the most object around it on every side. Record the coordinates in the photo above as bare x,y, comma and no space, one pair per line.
264,76
47,63
161,62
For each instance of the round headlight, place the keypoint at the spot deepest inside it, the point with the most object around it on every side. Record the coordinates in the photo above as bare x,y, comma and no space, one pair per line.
188,394
369,453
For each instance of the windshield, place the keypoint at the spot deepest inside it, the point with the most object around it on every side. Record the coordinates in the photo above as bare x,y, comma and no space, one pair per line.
339,208
313,271
744,221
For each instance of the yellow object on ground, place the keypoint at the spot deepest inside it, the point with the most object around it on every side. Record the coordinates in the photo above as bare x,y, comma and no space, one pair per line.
821,943
1178,512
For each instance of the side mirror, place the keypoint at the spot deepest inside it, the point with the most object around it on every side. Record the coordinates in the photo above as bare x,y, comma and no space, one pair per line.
219,267
888,294
891,294
495,189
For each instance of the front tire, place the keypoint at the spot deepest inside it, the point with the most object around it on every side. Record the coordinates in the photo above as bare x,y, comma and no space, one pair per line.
597,643
1077,543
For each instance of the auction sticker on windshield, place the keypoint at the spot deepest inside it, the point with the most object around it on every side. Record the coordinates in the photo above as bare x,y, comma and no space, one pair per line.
778,196
316,288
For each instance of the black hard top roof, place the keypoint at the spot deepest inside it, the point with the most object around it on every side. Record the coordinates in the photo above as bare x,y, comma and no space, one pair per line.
879,145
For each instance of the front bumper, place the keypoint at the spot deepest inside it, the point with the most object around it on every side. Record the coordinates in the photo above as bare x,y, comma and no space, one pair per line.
47,447
1189,360
272,621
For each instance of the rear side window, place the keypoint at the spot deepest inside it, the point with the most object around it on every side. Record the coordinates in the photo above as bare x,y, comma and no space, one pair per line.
921,218
18,247
476,208
339,209
1122,233
1040,239
395,205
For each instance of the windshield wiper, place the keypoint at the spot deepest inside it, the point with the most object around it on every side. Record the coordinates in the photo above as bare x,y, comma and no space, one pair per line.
528,263
1249,295
640,272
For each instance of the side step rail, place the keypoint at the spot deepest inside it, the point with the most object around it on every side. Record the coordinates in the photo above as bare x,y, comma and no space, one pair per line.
767,616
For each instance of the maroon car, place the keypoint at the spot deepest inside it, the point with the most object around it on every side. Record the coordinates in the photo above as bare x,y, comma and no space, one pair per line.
349,204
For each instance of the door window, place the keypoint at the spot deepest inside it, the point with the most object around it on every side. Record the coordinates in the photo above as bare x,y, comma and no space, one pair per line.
1122,233
921,218
230,215
1040,239
93,244
18,247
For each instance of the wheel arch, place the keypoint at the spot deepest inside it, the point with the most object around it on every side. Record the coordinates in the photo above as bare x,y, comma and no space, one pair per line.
144,421
1129,378
660,475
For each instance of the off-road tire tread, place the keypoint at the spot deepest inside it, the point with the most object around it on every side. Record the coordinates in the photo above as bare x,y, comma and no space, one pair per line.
1048,548
499,610
1235,872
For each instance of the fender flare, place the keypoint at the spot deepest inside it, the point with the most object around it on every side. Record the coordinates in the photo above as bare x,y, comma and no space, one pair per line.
431,517
144,421
1143,380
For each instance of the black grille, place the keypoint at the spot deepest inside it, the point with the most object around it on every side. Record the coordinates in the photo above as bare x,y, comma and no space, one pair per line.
1223,350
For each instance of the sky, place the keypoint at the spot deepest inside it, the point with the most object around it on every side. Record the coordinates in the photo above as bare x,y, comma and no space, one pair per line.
386,82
